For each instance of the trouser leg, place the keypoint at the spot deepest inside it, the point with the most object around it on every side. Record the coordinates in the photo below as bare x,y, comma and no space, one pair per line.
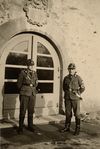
68,112
77,129
23,107
21,121
76,109
68,120
31,105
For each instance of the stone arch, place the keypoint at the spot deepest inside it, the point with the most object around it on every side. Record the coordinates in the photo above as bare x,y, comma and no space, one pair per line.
18,26
15,27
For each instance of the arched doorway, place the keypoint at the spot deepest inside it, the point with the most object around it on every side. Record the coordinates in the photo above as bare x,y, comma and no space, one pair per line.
47,64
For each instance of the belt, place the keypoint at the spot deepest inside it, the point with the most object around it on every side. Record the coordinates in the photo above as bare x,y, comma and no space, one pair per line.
29,85
73,90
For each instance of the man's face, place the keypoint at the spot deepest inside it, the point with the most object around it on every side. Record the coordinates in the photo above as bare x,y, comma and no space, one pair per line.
72,71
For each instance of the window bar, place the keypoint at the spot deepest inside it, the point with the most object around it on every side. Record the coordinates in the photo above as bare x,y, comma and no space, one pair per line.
32,48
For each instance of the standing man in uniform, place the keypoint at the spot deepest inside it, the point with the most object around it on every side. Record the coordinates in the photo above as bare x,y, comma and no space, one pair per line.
73,87
27,83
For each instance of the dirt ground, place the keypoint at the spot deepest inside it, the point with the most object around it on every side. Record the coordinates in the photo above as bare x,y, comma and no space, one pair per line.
47,136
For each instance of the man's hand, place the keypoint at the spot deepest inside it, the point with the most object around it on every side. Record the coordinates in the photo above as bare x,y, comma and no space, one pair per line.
77,95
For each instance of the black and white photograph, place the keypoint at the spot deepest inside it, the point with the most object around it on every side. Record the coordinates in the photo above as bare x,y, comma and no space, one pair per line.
50,74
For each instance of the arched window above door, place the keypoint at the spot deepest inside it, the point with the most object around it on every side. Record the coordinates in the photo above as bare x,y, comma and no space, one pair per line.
30,46
42,49
14,58
47,64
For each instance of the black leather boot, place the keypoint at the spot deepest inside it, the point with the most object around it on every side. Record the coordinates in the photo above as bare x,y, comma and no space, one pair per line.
20,129
30,124
31,128
77,129
66,128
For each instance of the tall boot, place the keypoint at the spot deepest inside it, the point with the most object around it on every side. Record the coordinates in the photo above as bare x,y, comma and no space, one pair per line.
66,128
77,129
67,125
21,121
30,123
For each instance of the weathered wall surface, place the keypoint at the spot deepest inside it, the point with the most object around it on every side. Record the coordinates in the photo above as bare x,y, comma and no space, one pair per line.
80,23
73,25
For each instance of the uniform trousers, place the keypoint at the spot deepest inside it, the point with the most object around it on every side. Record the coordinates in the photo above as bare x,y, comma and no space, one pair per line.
26,103
72,105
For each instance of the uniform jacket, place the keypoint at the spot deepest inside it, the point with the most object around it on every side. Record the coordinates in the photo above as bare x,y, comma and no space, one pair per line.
73,87
27,82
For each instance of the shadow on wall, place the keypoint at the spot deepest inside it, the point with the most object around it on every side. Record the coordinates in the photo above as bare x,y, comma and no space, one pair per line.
51,110
42,109
8,105
40,105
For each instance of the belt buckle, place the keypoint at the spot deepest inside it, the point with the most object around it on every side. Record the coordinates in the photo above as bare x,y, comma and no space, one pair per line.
31,85
70,89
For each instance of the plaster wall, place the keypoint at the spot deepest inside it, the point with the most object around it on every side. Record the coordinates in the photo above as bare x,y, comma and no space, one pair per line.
74,26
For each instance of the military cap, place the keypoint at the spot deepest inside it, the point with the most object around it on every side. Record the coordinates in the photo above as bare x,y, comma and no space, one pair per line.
71,66
30,62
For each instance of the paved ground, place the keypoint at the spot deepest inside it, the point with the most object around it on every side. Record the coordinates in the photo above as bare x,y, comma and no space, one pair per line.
47,136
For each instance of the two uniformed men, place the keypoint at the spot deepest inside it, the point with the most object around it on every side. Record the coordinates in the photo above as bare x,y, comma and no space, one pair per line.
73,87
27,83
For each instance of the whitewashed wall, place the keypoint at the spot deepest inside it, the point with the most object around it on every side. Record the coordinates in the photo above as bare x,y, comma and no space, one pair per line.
74,26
